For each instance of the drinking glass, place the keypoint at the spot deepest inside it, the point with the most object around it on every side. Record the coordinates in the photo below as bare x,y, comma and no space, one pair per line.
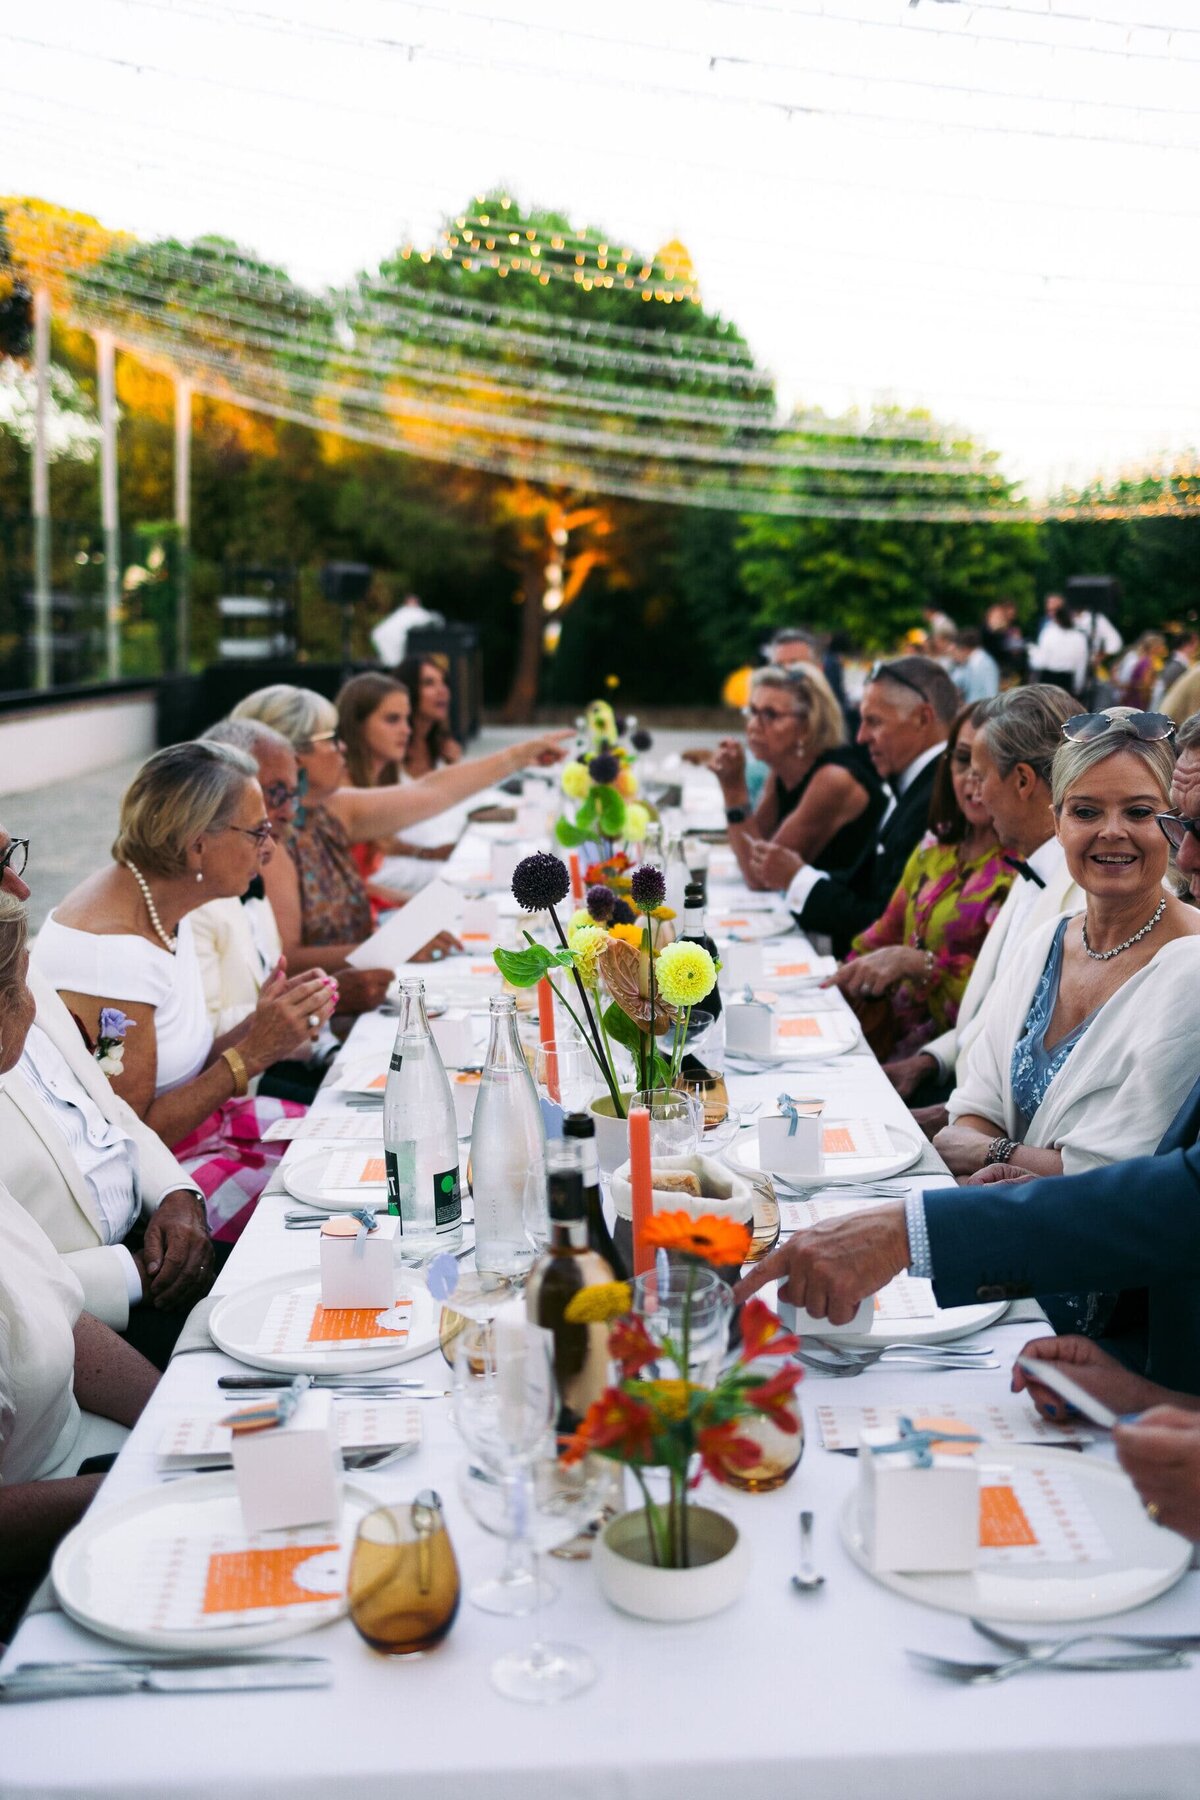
780,1451
404,1587
566,1075
674,1294
676,1121
518,1588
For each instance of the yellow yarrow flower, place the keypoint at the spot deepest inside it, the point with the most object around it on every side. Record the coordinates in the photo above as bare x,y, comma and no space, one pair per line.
586,944
685,973
599,1304
668,1398
576,782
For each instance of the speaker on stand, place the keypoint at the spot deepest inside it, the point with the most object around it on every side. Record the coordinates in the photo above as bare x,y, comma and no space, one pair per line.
345,584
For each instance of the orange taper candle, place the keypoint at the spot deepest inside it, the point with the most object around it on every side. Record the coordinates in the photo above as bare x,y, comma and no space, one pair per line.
576,879
640,1183
546,1033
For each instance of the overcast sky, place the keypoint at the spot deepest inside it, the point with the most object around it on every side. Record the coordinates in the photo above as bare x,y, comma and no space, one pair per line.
990,209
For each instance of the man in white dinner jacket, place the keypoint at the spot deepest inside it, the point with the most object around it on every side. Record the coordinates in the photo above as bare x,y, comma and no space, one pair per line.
93,1175
1014,747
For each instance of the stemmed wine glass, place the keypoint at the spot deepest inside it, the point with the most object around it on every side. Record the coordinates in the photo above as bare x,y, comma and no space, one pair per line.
505,1404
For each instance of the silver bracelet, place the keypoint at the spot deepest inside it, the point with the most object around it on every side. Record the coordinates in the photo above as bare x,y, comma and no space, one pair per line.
1000,1150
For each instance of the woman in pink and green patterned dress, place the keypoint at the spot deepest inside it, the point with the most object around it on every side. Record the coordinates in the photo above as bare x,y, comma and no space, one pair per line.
921,952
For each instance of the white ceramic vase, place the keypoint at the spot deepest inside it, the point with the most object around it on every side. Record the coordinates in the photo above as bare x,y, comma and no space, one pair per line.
612,1134
630,1581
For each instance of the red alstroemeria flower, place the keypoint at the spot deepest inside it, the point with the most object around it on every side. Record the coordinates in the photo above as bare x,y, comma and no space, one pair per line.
722,1448
630,1344
762,1334
774,1397
614,1421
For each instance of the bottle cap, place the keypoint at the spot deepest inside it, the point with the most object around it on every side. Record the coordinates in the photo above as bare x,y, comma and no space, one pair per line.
693,894
578,1125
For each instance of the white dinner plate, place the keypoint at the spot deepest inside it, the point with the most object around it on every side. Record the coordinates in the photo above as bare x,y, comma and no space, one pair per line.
743,926
842,1034
104,1570
1136,1559
815,969
840,1171
236,1321
940,1327
304,1179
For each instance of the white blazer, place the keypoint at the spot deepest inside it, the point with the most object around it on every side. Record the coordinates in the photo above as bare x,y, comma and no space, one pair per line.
1060,895
39,1170
1125,1079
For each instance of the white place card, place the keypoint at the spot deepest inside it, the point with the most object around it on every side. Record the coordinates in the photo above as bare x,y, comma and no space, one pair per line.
1003,1421
357,1170
298,1322
328,1128
360,1424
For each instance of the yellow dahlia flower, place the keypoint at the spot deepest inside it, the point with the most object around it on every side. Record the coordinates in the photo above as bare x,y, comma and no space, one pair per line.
686,973
578,919
586,942
628,934
576,781
636,821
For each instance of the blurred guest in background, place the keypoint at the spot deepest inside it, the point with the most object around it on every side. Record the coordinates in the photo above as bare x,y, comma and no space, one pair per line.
430,745
920,953
973,671
374,719
1184,646
1136,675
823,798
1061,654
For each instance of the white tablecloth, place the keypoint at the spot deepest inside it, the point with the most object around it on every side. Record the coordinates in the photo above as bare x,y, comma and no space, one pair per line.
781,1696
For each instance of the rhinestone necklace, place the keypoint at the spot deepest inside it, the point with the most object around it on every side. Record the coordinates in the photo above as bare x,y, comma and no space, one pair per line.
165,939
1104,955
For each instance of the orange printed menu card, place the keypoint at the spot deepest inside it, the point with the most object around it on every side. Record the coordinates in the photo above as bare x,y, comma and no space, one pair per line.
243,1580
1002,1519
780,971
838,1140
332,1325
798,1028
377,1084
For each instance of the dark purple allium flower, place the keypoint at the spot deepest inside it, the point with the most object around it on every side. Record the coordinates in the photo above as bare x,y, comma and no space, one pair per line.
622,913
641,739
604,768
649,887
540,882
600,903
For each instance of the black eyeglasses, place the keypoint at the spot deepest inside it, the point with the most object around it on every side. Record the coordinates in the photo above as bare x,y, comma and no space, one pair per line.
1150,727
262,834
886,671
15,856
1177,829
278,794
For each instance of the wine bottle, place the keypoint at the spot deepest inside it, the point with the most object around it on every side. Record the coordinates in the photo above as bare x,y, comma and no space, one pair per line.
695,931
566,1265
420,1137
581,1127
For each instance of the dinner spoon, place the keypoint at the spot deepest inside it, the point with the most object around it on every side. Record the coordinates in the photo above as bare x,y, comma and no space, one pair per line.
806,1580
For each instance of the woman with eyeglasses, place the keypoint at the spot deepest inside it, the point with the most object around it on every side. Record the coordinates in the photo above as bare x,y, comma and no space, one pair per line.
319,897
822,798
1081,1056
920,953
193,828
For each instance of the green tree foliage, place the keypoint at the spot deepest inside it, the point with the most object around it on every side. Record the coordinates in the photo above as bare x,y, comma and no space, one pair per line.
1156,559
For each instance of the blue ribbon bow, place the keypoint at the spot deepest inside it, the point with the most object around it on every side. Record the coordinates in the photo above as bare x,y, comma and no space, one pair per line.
921,1443
787,1107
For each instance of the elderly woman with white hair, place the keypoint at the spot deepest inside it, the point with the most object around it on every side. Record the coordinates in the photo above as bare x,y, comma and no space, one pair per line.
1081,1058
119,948
822,798
319,897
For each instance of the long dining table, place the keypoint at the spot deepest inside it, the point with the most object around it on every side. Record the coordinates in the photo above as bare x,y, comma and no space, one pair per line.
782,1694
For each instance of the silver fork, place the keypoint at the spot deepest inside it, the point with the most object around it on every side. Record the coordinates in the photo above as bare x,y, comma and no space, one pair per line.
838,1371
354,1462
975,1674
1043,1649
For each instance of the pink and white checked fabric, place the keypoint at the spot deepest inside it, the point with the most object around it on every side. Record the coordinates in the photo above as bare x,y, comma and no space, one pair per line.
227,1159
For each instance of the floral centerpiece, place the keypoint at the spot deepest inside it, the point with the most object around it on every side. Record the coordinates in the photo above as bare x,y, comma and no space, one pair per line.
619,948
679,1425
600,779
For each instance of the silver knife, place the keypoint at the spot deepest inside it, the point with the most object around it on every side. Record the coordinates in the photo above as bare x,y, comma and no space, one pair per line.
183,1675
234,1383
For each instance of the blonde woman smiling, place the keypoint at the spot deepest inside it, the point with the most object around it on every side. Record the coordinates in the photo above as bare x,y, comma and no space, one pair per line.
1081,1054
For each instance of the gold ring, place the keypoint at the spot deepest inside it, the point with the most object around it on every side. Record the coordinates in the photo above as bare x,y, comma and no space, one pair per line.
1152,1510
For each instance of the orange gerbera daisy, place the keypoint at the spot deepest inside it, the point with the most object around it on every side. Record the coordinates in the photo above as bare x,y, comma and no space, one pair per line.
721,1242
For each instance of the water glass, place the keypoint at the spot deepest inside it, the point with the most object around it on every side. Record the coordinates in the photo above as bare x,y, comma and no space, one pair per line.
676,1121
404,1586
675,1296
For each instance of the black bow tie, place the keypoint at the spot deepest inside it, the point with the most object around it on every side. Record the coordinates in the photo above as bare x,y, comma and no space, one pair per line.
256,890
1023,869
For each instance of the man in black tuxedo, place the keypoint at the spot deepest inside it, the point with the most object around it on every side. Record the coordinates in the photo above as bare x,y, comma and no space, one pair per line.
908,707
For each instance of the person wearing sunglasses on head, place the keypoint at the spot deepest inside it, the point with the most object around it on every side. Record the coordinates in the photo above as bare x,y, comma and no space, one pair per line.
319,896
908,706
193,827
823,798
1007,1235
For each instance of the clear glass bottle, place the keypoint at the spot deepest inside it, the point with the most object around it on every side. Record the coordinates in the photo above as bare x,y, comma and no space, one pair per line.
420,1137
508,1148
652,845
580,1126
677,876
567,1264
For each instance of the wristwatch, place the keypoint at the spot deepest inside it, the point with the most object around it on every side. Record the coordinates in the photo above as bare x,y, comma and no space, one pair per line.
736,815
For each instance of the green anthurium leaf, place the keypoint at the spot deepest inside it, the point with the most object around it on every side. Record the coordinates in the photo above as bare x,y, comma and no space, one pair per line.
621,1028
525,968
570,835
611,810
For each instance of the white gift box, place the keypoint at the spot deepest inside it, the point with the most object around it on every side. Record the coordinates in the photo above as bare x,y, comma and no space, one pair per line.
291,1474
740,963
357,1270
917,1520
795,1318
793,1147
454,1037
480,919
748,1025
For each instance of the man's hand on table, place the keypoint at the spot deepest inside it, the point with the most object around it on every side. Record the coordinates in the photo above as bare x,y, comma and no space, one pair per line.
830,1268
176,1260
773,865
